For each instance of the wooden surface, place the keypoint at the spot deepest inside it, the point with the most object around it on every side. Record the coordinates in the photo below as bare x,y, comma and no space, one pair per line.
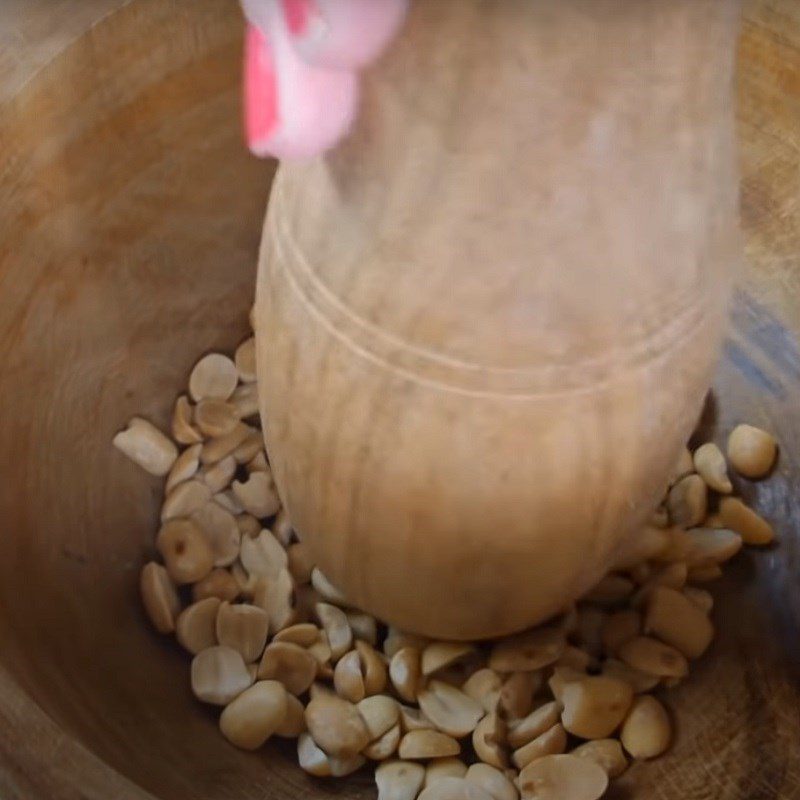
128,233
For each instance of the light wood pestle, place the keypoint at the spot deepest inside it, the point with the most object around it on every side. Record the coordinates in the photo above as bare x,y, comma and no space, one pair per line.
486,322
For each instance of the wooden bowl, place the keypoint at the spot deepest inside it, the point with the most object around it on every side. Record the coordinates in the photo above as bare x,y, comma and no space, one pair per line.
130,221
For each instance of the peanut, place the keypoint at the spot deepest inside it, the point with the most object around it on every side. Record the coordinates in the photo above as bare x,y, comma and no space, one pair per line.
380,713
639,681
449,788
218,583
219,475
654,658
438,655
751,451
303,634
485,686
263,556
399,780
607,753
710,465
185,499
687,501
492,781
160,599
213,377
144,444
527,651
516,694
294,723
620,628
250,719
488,739
679,622
301,564
290,664
449,708
448,767
219,675
244,628
258,494
595,706
245,360
186,552
214,450
336,726
425,744
221,532
647,731
245,400
195,628
384,746
535,724
558,777
737,516
405,672
184,468
552,741
183,431
311,758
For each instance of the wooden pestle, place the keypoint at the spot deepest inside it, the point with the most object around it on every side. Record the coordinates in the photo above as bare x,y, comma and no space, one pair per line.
486,322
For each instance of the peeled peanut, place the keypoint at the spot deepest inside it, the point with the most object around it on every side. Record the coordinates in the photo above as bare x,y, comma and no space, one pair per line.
218,476
252,445
247,583
561,677
258,494
282,528
218,675
380,713
250,719
195,628
290,664
218,583
245,400
607,753
595,706
336,726
737,516
449,788
263,556
492,781
517,691
562,777
710,465
384,746
301,564
653,657
709,546
185,499
258,463
143,443
334,622
488,739
186,552
553,740
221,532
619,628
228,501
405,672
399,780
527,651
611,589
183,431
303,634
700,597
215,417
687,501
245,360
535,724
751,451
311,758
321,650
276,596
244,628
647,731
294,723
675,619
412,719
448,767
348,679
326,589
213,377
484,685
160,599
672,575
639,681
373,667
340,767
427,744
214,450
449,709
184,468
683,466
438,655
643,546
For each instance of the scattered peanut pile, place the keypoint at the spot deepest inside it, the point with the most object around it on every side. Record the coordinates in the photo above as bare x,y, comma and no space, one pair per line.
554,712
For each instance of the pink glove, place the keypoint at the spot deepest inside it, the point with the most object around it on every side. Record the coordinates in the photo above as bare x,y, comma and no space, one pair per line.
301,64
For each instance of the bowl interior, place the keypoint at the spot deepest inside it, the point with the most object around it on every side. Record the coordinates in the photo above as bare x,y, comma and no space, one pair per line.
130,222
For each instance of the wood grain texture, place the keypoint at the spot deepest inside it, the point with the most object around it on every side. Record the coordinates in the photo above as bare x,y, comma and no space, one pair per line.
490,317
128,234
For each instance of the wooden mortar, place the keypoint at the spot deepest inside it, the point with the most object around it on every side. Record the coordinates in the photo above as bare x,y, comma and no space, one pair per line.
486,323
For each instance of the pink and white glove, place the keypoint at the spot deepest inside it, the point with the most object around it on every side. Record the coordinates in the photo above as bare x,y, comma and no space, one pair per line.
301,65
